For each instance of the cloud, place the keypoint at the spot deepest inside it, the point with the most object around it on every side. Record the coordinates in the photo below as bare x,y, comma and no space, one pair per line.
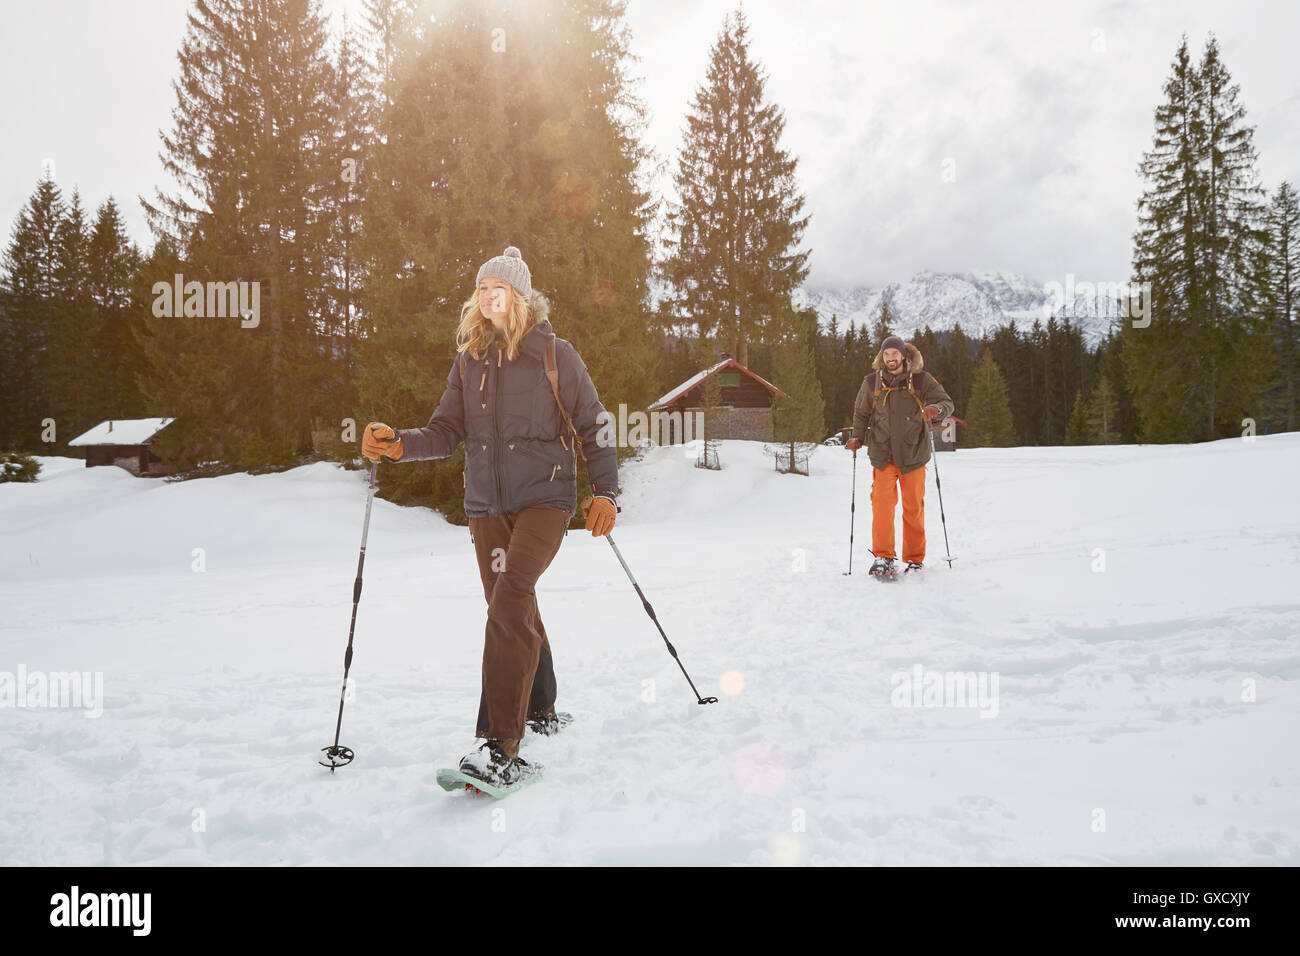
1043,111
1045,129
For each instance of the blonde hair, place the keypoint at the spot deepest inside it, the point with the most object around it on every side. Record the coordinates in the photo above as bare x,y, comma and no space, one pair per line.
476,329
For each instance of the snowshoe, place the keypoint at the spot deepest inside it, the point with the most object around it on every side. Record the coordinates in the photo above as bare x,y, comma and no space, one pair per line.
459,781
884,569
491,764
912,566
549,722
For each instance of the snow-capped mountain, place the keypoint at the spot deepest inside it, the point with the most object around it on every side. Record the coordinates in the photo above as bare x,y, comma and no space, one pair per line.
980,301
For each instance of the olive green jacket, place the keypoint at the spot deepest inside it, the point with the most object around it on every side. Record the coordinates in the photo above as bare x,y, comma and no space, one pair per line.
892,429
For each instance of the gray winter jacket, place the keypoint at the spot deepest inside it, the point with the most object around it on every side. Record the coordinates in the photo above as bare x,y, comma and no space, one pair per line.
518,451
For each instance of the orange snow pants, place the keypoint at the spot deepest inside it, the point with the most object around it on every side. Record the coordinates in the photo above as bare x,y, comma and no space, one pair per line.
885,483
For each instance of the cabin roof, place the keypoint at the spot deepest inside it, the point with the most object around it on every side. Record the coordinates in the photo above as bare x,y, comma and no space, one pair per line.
699,377
122,431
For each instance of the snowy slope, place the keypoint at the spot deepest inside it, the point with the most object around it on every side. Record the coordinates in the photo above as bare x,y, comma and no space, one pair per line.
1119,691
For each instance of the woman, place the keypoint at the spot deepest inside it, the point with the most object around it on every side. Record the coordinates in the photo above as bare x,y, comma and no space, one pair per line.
518,426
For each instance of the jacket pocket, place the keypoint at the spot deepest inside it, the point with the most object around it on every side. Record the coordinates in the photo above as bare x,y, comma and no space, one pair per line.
880,430
475,390
479,490
540,456
539,471
915,444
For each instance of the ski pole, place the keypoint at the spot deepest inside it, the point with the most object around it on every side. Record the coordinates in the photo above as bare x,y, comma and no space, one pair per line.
934,457
651,611
337,756
853,508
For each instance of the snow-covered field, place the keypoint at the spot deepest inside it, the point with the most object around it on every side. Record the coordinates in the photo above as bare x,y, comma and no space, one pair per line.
1147,708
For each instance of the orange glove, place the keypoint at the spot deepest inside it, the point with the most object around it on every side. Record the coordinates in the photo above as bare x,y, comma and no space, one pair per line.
853,445
931,412
599,513
373,444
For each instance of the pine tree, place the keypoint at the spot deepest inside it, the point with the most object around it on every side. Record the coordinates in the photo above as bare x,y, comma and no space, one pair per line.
112,266
30,270
1194,369
385,23
1110,362
140,334
1102,413
1236,251
1078,432
255,152
1284,280
960,367
73,331
798,418
1005,346
855,369
927,343
884,326
1053,400
1165,257
357,102
988,416
830,371
1032,369
732,253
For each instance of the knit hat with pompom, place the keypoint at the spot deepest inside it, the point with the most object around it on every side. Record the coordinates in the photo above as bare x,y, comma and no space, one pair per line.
509,266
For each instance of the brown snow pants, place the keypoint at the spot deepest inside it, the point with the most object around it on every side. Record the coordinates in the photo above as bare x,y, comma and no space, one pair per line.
518,674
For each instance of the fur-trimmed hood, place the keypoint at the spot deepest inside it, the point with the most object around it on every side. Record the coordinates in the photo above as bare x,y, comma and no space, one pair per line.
540,306
536,338
912,360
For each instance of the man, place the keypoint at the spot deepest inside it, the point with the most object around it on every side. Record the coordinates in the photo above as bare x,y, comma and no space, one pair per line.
891,415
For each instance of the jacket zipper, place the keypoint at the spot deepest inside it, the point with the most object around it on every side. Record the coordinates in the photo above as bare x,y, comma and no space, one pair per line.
496,430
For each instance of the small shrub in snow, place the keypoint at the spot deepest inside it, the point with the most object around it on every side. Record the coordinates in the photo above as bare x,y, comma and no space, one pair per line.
708,457
15,466
791,458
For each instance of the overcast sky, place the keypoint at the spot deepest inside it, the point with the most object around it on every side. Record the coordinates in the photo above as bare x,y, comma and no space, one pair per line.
1038,111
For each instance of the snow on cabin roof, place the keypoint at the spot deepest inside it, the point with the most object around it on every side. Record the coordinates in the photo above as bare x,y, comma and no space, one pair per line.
122,431
698,377
689,384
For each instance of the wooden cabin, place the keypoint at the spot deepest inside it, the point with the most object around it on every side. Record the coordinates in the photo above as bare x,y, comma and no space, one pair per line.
125,443
744,407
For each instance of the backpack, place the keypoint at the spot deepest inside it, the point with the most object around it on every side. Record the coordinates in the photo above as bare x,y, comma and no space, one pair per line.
876,389
553,373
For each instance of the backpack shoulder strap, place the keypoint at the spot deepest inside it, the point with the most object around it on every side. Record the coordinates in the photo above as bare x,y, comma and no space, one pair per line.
920,383
553,374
